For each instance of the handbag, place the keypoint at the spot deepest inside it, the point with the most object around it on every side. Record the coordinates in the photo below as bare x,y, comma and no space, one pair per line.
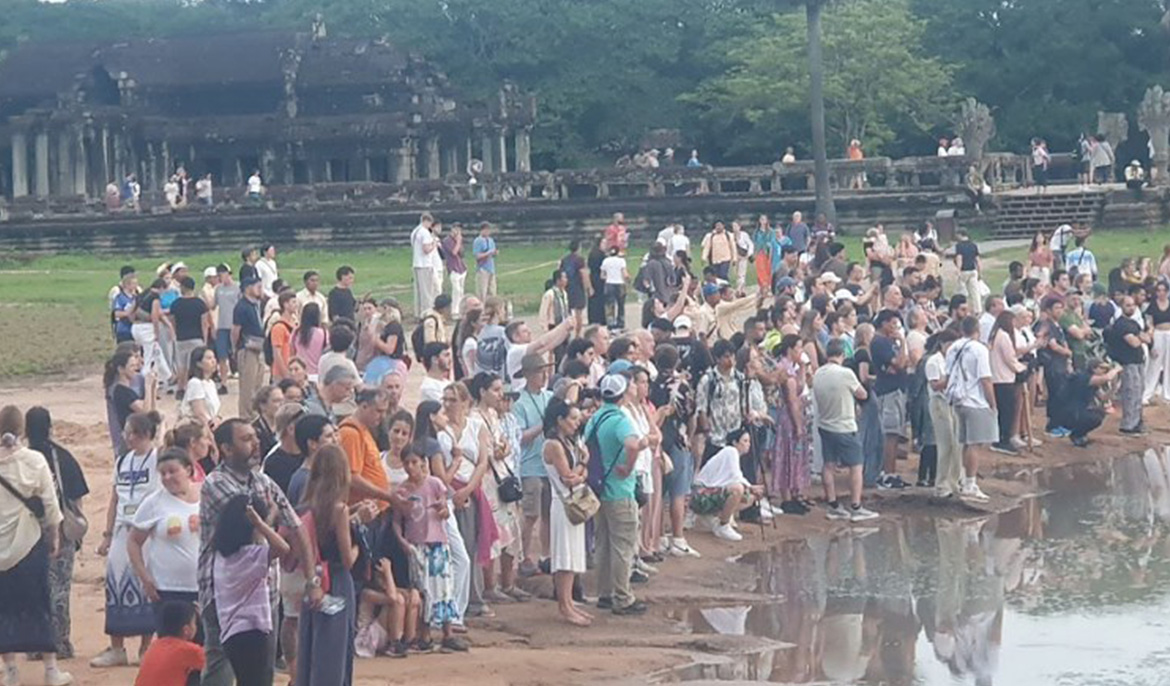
74,524
509,488
640,495
581,504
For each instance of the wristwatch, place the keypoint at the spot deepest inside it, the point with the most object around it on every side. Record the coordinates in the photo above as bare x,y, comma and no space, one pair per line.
314,582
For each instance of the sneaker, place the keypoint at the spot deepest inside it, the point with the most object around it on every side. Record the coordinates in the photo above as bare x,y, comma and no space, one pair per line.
110,657
1060,432
1018,443
1004,449
1036,442
680,548
222,389
706,523
766,509
635,608
644,567
793,507
605,603
860,514
890,482
689,520
454,645
727,533
942,492
399,649
55,677
837,512
637,577
1080,441
1139,430
972,492
545,565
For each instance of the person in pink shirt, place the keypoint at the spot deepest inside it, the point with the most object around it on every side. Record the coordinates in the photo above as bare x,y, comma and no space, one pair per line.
616,234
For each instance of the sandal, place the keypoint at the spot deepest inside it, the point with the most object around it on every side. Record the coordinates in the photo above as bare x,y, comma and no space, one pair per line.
454,645
422,646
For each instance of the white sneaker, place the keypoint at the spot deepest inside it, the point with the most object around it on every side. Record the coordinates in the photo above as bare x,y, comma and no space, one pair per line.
706,523
971,491
644,567
680,548
1018,443
727,533
110,657
664,545
839,512
860,514
55,677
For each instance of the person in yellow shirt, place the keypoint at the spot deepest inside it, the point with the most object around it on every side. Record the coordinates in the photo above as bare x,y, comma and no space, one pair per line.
719,250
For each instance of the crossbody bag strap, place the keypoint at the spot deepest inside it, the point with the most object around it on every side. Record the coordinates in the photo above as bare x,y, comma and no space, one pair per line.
27,502
597,428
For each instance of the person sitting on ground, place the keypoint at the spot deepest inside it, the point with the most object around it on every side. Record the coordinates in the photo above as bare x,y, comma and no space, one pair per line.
722,489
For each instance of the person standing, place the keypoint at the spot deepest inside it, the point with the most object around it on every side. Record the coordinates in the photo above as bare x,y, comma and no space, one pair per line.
71,487
565,460
970,267
799,233
342,303
718,250
835,388
949,470
616,276
247,339
311,293
1158,323
193,328
580,285
485,251
1040,161
1126,340
266,269
890,362
529,411
617,234
618,446
971,392
28,540
1080,260
1102,160
227,296
456,267
1005,369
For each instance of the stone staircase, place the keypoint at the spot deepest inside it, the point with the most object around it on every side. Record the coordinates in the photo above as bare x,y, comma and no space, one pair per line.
1021,215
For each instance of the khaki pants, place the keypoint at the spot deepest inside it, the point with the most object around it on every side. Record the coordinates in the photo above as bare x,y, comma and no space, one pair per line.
485,284
950,453
617,542
457,281
252,369
969,286
424,289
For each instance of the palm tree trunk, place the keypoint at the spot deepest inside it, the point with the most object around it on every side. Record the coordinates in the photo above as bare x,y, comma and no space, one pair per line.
816,73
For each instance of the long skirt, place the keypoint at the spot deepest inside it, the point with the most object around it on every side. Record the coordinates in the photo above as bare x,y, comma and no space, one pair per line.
791,452
507,516
433,564
764,271
60,587
128,611
26,617
325,642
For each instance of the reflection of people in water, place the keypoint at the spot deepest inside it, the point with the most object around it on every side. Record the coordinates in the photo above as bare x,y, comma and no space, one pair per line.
969,603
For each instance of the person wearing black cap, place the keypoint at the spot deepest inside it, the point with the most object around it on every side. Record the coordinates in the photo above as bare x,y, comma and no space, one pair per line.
247,337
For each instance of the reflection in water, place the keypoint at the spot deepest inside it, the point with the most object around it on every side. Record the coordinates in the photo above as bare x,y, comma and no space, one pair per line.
1077,582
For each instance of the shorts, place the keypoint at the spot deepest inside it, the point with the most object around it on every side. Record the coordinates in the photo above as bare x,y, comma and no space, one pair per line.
892,407
183,350
708,501
677,484
977,425
537,497
223,343
843,449
292,592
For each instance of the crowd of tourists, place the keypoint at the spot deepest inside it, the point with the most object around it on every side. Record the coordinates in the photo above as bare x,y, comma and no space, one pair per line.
327,518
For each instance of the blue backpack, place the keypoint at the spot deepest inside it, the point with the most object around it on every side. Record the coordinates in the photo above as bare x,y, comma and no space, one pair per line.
597,473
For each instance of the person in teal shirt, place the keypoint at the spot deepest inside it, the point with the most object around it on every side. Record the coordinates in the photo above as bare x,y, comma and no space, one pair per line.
612,437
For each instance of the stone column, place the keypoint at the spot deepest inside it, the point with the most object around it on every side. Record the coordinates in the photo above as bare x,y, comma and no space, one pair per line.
64,163
451,160
80,165
489,143
502,151
1154,119
167,166
19,165
42,165
405,156
523,151
433,158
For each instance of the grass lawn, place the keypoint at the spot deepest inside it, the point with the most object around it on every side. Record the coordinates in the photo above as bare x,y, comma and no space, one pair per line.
54,313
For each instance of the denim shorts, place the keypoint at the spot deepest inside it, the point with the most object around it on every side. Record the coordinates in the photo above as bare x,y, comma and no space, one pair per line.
223,343
677,484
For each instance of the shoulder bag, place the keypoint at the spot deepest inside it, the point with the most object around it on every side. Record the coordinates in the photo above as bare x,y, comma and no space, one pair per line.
34,504
580,503
74,524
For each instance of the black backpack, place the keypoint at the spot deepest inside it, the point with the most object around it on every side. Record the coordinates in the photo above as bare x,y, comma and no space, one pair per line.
417,338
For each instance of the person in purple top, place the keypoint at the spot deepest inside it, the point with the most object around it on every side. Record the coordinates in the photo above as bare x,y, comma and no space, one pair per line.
452,246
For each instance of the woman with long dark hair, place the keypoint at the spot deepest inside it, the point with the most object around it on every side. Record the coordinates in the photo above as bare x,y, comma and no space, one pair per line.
69,481
310,339
29,537
125,390
792,447
1005,368
201,400
565,459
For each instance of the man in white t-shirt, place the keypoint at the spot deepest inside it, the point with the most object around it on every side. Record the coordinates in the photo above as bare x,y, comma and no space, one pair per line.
521,343
615,276
970,392
836,388
422,245
947,452
255,187
679,242
436,359
1061,242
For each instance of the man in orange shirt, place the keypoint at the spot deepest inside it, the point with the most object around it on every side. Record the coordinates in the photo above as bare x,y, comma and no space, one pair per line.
356,436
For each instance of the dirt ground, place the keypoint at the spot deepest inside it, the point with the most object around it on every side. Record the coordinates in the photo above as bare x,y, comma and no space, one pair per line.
527,644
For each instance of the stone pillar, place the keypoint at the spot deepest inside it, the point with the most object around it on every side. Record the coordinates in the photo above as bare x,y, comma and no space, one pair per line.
523,151
64,163
42,165
502,151
80,165
167,166
19,165
489,143
1154,119
469,155
451,160
108,172
433,158
405,155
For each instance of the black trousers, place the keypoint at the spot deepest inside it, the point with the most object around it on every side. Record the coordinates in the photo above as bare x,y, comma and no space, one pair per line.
248,653
1005,403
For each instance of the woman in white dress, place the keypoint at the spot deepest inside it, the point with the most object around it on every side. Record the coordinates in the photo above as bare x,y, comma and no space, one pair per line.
565,460
201,400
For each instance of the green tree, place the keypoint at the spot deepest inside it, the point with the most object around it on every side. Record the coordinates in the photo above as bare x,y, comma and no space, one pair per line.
880,85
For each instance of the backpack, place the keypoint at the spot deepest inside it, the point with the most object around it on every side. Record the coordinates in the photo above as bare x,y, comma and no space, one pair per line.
642,280
596,472
417,337
491,354
269,351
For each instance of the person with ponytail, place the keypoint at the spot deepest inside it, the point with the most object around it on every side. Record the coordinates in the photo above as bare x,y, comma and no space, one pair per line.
125,390
128,610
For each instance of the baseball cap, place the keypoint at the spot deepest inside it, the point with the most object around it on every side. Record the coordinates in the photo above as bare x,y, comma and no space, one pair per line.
209,272
619,366
683,322
710,289
529,364
249,280
785,282
829,276
845,294
177,266
662,324
613,386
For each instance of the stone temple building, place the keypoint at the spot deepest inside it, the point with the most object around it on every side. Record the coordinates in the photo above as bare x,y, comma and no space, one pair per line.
301,108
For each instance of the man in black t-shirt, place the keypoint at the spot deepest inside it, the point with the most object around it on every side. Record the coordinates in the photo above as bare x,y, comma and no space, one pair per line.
342,304
1125,339
970,267
193,328
285,458
890,362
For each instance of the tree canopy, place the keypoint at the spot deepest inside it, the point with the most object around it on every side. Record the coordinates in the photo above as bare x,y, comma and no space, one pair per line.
731,75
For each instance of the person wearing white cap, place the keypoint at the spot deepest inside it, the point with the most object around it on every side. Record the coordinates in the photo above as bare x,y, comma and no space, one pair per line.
617,446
